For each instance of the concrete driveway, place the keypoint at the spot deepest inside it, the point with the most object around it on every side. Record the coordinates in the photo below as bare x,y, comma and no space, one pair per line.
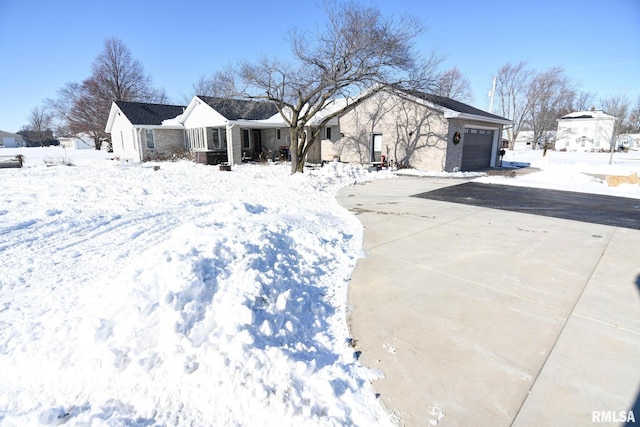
486,317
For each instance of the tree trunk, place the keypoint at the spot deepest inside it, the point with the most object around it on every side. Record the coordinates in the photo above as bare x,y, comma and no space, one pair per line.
298,140
97,143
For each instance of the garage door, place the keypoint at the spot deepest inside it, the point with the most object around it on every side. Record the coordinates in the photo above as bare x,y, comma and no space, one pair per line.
476,151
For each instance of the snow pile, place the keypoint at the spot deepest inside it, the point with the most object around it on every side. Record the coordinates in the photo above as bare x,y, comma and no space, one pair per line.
178,296
434,174
581,172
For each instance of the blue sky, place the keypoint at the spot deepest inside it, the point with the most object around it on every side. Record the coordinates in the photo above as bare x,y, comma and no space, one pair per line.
44,44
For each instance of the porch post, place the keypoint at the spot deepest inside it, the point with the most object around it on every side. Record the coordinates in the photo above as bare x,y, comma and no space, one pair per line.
234,145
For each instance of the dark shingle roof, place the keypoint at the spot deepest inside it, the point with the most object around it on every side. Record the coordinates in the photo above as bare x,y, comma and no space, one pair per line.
140,113
451,104
584,116
236,109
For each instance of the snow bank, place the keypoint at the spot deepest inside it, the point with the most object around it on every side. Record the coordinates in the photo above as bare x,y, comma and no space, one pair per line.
182,296
581,172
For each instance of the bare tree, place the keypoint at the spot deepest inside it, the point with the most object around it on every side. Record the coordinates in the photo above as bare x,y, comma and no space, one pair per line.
220,84
619,106
512,82
549,97
40,122
120,77
453,84
634,118
358,49
583,101
116,76
204,86
83,111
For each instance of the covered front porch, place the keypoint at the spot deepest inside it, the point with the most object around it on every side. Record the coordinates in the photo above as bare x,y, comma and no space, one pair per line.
208,144
235,143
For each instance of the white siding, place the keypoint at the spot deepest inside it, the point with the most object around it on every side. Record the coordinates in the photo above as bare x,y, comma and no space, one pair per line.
204,116
124,139
585,134
8,141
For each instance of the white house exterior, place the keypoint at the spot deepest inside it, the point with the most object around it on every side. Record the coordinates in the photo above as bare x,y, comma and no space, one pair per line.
628,141
141,131
231,130
524,140
79,142
585,131
10,140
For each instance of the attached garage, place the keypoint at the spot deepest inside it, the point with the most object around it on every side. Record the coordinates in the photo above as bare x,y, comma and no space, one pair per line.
419,130
477,148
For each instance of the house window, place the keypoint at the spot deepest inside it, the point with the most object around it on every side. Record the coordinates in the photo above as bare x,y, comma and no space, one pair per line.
278,136
246,142
223,137
218,139
328,132
150,142
215,139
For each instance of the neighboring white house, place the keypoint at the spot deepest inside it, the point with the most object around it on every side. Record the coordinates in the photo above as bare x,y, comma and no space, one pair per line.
141,131
628,141
78,142
10,140
524,140
585,131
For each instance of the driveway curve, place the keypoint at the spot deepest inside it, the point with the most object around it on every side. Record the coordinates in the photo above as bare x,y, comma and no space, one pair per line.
488,317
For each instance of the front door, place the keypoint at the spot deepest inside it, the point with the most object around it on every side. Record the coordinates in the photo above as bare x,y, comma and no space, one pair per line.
257,143
376,147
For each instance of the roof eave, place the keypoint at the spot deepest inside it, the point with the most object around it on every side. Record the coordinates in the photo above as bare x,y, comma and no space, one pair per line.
174,127
112,114
266,124
451,114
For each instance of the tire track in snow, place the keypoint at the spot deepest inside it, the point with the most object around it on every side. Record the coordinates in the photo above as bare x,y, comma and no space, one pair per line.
70,253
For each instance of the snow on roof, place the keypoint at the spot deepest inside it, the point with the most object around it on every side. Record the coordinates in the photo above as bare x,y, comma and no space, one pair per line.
175,121
590,114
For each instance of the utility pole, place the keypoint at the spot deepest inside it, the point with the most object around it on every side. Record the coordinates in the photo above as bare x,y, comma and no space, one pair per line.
613,139
491,95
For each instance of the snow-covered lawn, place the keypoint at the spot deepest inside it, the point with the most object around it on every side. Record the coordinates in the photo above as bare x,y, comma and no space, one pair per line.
179,296
571,171
191,296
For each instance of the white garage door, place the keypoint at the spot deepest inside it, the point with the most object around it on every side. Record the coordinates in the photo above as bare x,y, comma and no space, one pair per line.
8,141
